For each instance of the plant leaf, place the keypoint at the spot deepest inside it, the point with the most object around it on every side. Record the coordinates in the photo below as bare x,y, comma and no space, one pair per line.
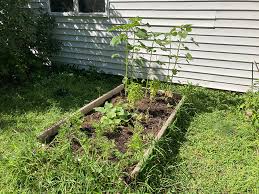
116,55
188,56
174,71
116,40
141,33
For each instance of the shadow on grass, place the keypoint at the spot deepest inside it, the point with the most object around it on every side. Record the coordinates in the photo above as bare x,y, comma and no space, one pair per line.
65,90
160,172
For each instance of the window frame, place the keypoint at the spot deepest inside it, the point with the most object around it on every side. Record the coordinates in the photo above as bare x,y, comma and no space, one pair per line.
76,12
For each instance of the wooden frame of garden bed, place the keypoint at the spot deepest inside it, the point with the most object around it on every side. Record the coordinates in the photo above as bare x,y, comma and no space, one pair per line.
52,131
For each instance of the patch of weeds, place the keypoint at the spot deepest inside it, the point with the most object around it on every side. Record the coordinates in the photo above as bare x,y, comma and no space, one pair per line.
154,86
112,116
251,107
134,92
136,142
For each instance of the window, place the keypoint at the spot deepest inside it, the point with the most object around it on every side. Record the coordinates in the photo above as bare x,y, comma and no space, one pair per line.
61,5
91,6
78,6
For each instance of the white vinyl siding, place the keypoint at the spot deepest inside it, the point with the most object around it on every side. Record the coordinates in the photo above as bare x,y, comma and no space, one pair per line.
227,32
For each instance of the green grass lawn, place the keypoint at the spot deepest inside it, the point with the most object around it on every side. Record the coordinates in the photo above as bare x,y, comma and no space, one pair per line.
211,147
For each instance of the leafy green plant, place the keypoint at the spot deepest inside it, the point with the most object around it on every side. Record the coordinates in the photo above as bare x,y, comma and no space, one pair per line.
142,44
103,147
76,120
138,127
112,116
153,37
173,43
154,87
26,41
251,107
179,35
136,142
135,29
138,117
135,92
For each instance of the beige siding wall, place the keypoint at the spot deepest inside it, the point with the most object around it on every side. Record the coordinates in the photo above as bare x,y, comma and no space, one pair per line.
227,31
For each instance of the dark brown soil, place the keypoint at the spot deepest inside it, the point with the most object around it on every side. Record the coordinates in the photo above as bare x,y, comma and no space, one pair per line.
155,112
121,137
76,146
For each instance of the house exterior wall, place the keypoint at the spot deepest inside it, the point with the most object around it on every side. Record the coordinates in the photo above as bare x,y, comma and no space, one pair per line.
227,32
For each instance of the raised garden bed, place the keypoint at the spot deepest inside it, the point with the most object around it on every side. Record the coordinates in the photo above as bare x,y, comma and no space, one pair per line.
131,141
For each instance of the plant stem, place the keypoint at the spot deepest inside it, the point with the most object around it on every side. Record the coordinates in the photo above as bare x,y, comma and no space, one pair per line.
150,59
177,53
132,55
126,69
170,53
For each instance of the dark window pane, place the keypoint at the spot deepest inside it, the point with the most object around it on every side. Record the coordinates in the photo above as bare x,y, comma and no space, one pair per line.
61,5
90,6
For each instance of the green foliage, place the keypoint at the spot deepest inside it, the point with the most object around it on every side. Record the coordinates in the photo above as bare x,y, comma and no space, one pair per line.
76,119
251,107
170,44
174,43
135,92
26,42
102,147
125,31
135,142
210,148
112,116
27,166
154,87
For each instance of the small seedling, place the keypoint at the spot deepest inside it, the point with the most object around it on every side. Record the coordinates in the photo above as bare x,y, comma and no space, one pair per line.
136,142
75,120
113,116
135,92
154,86
138,127
138,116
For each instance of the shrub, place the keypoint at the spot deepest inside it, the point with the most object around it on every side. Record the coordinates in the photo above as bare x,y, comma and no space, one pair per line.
251,107
26,41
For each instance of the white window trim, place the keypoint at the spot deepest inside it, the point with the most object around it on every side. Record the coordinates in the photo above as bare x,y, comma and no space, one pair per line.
77,13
